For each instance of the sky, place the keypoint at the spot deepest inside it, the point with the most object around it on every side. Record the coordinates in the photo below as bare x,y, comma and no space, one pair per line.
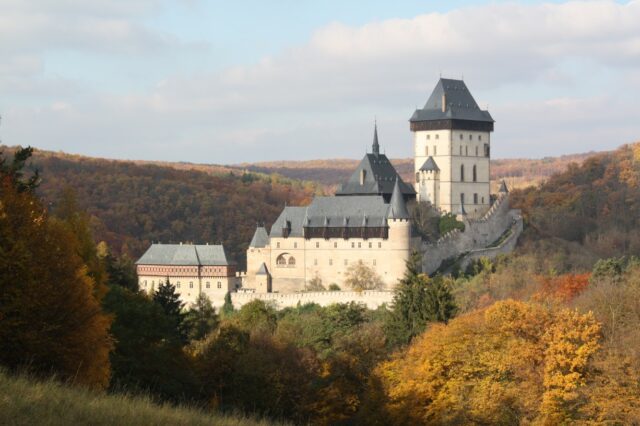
227,82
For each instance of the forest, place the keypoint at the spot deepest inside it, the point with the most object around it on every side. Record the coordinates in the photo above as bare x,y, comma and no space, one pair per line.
546,335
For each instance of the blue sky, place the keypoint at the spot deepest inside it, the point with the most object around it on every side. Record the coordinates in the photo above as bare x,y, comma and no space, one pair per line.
229,82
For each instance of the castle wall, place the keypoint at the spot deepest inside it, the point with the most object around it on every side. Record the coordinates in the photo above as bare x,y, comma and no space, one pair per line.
372,299
478,234
506,247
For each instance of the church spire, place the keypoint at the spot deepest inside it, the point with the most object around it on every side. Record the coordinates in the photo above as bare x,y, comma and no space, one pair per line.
376,146
397,206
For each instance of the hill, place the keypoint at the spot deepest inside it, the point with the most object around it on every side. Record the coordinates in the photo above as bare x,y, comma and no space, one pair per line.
519,173
596,204
133,204
27,402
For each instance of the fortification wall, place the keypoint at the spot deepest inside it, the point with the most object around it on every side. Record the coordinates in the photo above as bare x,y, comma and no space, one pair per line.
506,247
478,234
372,299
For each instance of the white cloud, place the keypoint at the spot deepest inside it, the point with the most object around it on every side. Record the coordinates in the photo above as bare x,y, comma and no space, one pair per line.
313,99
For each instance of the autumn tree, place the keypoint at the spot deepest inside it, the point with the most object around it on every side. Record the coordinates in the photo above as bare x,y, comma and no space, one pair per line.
50,315
514,362
360,277
227,308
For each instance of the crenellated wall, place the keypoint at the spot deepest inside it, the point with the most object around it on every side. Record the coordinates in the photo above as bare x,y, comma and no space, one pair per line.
372,299
478,234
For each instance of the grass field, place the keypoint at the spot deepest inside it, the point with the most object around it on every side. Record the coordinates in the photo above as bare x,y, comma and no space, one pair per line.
24,401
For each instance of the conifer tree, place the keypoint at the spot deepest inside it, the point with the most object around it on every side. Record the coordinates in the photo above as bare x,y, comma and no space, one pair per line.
201,319
227,308
169,300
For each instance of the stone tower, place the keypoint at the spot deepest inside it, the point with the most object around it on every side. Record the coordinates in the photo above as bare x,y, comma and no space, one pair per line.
452,140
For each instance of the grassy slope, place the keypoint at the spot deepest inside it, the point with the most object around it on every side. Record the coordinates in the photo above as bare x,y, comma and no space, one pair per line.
27,402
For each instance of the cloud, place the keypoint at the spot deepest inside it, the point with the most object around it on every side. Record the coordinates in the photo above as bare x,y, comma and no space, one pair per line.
556,77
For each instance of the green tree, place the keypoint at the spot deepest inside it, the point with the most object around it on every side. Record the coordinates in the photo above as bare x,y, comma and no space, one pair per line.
147,357
227,308
418,300
167,298
314,284
449,222
201,319
256,316
120,269
14,171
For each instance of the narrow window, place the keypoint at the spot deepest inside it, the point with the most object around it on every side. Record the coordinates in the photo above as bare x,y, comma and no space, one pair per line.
437,136
335,245
435,150
461,136
466,150
374,262
479,137
426,151
363,175
428,137
315,262
460,149
359,245
295,245
292,261
178,285
330,262
379,245
278,244
482,200
470,137
346,262
208,284
317,244
219,284
353,245
370,244
462,198
461,172
476,151
475,198
191,284
475,175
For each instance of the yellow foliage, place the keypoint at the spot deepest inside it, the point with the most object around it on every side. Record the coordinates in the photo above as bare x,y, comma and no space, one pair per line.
512,363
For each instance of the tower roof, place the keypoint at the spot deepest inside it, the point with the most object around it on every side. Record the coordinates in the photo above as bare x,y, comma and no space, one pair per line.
503,187
375,149
451,100
397,206
260,238
430,165
262,270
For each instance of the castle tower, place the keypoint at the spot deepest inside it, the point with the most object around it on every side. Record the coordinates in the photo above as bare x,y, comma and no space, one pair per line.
453,134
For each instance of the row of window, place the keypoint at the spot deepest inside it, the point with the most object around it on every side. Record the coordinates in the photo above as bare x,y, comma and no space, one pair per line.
475,198
463,151
207,285
437,136
282,261
335,244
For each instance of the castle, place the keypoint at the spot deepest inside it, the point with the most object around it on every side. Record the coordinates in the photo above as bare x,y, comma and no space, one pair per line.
367,221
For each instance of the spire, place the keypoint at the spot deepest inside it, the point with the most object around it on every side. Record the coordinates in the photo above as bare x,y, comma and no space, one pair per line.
503,188
376,146
397,206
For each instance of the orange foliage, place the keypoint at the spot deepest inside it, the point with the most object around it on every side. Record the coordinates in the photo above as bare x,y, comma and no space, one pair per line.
562,288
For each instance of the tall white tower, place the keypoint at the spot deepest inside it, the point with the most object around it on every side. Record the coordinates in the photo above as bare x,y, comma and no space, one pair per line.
452,142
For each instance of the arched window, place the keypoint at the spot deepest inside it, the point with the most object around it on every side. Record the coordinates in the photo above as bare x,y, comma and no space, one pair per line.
292,261
462,173
281,260
475,176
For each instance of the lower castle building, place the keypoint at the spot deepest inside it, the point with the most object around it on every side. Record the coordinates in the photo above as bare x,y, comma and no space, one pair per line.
192,269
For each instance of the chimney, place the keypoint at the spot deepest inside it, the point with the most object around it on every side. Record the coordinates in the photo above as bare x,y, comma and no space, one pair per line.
444,102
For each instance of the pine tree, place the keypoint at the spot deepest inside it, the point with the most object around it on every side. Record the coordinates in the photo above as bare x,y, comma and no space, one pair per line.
169,300
418,300
201,319
227,308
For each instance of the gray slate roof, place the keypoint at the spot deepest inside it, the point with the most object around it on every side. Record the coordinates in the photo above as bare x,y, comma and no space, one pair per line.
380,176
184,255
397,206
503,187
260,238
430,165
460,104
262,270
334,212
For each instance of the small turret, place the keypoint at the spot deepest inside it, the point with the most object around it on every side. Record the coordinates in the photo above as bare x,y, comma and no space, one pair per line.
397,206
503,188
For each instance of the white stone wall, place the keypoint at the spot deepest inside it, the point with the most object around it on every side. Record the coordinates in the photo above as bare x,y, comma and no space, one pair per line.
189,287
372,299
329,259
450,149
